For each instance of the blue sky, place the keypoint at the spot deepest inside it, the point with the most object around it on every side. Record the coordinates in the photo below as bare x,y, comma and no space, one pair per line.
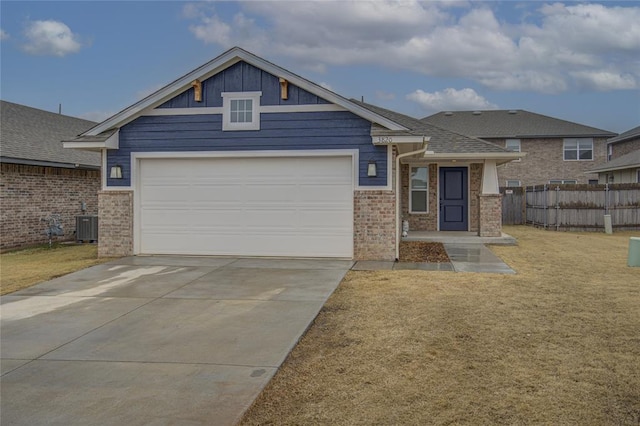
578,61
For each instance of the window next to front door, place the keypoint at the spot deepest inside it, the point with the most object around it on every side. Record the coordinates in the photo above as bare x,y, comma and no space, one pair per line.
418,190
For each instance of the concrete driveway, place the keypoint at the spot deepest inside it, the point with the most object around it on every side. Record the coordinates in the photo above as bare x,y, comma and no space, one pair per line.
155,340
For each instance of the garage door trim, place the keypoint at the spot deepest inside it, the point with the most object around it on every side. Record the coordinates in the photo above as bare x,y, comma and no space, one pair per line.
137,157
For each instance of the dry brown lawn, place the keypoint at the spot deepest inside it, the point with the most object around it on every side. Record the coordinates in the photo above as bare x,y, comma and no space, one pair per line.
557,344
24,268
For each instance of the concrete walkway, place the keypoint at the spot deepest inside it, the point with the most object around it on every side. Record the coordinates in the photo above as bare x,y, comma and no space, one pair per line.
464,257
155,340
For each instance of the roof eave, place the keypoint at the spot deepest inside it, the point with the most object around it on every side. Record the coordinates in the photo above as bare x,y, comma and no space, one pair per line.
41,163
611,169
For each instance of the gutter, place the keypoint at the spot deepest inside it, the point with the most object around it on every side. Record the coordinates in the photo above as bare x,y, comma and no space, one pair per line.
398,190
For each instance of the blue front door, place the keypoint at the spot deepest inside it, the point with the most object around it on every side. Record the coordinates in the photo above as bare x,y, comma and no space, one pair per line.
454,193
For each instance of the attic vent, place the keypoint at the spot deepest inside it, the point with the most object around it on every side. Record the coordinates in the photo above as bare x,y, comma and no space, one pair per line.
448,113
513,111
477,112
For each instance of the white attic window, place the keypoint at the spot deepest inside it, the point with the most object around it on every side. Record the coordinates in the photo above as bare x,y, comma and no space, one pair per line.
241,111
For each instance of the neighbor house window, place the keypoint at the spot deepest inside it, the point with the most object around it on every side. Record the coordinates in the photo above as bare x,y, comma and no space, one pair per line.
418,189
241,110
513,145
513,183
562,181
609,152
638,176
593,181
578,149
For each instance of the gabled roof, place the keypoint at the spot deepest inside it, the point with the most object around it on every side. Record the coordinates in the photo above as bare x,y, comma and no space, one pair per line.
441,140
511,124
627,161
629,134
33,136
225,60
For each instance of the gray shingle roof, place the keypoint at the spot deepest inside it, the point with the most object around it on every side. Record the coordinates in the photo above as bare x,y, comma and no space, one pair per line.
626,161
629,134
511,124
442,141
33,136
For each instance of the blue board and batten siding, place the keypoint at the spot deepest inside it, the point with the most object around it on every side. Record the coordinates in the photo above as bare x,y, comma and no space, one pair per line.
278,131
243,77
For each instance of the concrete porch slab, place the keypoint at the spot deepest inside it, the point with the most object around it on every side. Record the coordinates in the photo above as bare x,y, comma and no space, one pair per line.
459,237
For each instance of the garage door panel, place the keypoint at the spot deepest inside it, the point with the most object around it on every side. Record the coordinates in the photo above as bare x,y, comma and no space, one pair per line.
247,206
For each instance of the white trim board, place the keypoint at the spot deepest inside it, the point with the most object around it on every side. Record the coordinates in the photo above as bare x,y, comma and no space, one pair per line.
264,109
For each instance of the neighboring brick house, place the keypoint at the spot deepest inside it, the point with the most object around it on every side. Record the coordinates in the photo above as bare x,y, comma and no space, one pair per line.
623,155
39,178
242,157
558,151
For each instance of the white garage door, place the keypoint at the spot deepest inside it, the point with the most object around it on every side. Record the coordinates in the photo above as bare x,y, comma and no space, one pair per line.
296,206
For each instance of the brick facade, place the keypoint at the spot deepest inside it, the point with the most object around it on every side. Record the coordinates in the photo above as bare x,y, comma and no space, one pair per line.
622,148
374,218
544,161
115,227
420,221
490,215
30,193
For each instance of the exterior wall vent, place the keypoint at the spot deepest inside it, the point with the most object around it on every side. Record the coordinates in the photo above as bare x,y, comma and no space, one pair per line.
86,228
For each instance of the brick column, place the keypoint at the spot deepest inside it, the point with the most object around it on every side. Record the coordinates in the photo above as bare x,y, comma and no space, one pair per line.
115,224
490,217
374,225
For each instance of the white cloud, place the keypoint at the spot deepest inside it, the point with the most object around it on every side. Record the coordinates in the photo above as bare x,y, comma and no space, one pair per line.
3,35
555,51
50,38
451,100
605,80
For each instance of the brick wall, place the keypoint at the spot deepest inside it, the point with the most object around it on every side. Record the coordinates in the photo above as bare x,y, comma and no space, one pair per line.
374,217
29,193
420,221
115,227
475,189
622,148
490,215
544,162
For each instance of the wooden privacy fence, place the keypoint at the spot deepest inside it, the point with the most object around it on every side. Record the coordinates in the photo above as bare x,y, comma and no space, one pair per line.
513,206
582,207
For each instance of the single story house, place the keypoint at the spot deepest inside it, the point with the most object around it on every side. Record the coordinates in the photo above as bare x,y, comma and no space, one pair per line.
623,165
558,151
40,178
242,157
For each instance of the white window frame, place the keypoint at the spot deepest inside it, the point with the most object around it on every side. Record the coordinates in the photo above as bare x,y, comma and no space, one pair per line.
513,186
506,145
577,148
425,190
563,182
254,97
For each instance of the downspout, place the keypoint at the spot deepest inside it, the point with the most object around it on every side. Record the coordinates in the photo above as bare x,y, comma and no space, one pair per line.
398,190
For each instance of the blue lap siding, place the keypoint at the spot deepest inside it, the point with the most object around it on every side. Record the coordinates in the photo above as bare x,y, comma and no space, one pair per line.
278,131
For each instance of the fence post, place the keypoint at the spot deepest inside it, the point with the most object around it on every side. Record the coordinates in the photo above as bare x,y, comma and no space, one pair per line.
546,206
606,198
557,208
